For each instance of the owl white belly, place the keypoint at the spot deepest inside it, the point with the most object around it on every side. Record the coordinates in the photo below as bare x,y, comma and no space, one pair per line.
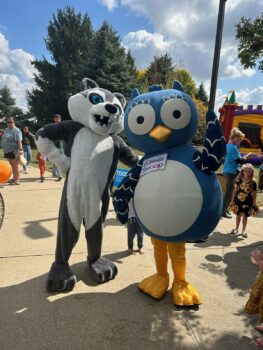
168,201
91,159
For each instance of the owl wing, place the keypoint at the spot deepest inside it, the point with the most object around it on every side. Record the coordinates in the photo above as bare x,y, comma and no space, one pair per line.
212,155
125,192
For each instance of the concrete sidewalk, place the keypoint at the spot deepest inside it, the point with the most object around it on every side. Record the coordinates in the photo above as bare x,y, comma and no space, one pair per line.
116,315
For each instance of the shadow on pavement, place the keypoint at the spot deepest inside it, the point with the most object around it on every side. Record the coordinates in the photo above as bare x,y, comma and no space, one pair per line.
37,179
260,214
234,263
121,320
112,222
29,179
35,230
116,257
232,341
127,319
219,239
239,270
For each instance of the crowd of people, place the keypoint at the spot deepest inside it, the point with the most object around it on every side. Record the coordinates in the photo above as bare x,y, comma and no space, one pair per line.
17,148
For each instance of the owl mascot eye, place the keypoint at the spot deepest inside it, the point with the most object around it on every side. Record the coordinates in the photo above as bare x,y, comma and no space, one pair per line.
171,185
92,150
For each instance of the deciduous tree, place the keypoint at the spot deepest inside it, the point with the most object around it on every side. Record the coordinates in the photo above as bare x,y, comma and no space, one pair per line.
249,34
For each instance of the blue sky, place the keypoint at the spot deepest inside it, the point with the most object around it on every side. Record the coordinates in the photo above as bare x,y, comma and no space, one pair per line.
26,27
186,29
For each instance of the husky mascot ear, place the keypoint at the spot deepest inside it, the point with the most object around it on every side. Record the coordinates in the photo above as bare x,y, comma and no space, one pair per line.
88,83
121,98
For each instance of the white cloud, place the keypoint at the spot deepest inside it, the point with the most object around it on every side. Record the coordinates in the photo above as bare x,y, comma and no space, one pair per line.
16,71
17,87
110,4
230,65
250,97
145,46
187,29
236,71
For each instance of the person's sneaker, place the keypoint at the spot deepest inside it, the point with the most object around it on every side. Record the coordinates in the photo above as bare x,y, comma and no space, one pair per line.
131,251
59,179
234,231
227,215
244,234
42,179
16,183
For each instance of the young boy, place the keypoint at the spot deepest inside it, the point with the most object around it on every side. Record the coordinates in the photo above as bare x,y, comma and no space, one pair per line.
134,228
42,165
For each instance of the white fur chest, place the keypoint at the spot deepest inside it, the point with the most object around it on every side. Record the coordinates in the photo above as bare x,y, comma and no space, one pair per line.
91,155
91,159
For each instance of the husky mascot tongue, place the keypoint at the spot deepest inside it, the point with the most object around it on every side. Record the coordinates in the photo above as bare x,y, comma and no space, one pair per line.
92,151
175,192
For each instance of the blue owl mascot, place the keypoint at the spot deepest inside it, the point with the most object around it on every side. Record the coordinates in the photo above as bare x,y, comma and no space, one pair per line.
176,195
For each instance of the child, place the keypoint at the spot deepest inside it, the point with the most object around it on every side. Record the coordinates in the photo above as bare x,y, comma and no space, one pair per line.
134,228
42,165
243,202
255,303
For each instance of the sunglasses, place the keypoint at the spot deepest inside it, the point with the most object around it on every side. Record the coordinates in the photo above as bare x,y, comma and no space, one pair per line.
10,122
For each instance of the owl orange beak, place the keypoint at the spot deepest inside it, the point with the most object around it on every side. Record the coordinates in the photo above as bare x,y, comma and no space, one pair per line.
160,133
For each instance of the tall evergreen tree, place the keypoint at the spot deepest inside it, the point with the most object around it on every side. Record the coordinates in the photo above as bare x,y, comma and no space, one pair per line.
69,43
111,67
8,104
160,70
132,74
201,94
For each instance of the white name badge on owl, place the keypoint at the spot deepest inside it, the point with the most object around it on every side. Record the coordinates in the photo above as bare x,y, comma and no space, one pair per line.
154,164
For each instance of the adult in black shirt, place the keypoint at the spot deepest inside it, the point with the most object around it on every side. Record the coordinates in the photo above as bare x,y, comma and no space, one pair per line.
27,139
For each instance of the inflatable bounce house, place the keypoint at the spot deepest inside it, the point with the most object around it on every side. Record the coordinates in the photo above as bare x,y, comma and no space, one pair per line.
249,120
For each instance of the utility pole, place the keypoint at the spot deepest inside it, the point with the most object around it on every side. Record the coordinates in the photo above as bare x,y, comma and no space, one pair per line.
219,31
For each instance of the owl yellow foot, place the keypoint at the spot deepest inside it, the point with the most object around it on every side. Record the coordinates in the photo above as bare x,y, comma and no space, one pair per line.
183,294
156,285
